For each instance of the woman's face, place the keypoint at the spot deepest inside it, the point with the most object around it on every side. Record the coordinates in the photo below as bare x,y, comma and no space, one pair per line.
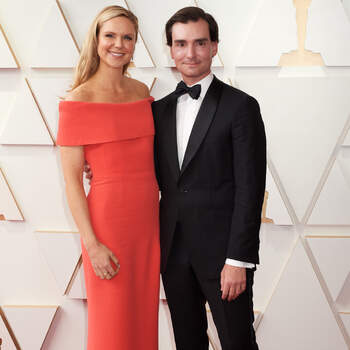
116,42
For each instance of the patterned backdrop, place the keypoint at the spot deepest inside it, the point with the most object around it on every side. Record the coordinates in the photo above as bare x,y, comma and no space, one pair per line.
293,56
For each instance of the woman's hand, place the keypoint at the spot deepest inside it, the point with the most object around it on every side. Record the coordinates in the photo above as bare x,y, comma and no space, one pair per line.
100,257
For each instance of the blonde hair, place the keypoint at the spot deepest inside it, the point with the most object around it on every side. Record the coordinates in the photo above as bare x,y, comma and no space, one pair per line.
89,60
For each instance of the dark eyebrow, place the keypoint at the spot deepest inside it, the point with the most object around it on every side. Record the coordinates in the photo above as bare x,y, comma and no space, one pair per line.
181,41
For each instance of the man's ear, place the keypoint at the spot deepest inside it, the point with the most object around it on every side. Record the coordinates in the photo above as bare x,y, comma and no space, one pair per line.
171,51
214,45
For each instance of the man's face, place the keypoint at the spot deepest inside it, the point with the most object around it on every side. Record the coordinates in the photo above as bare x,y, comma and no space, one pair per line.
192,50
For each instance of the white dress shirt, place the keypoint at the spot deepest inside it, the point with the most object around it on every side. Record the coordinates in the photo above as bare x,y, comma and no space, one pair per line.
186,112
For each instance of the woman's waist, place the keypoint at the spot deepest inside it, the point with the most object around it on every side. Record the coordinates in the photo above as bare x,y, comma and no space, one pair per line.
123,178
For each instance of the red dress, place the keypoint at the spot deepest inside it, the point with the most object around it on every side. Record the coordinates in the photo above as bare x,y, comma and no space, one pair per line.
123,205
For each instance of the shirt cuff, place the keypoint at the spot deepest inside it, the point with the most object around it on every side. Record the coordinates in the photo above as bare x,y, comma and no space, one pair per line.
238,263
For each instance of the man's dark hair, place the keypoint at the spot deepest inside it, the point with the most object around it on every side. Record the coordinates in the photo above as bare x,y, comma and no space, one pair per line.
193,14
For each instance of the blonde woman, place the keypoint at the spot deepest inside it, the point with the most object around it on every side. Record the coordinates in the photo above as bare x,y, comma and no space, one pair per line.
107,120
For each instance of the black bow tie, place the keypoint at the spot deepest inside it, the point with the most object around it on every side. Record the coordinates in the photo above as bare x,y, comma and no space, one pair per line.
193,91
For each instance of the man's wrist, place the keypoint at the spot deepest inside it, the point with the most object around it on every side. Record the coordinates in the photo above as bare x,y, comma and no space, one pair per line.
238,263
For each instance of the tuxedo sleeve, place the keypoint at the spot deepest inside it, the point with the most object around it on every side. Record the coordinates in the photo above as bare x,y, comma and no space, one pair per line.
249,172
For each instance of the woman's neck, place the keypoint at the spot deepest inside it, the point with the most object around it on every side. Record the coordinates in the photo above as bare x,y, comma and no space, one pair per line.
109,79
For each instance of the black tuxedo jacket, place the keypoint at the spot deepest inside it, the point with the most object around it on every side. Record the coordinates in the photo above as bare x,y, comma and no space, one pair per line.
221,183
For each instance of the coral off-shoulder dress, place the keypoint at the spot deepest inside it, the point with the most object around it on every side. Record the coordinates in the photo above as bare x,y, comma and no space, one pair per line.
123,204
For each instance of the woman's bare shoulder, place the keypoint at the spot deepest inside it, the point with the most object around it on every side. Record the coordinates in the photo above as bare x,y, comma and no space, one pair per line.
81,93
139,87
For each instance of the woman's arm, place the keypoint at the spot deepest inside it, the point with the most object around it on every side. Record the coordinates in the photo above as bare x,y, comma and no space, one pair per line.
72,159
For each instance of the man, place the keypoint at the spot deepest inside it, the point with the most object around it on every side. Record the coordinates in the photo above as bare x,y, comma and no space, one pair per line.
210,155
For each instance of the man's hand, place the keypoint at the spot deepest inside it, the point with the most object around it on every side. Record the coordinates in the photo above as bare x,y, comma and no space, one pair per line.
87,171
233,282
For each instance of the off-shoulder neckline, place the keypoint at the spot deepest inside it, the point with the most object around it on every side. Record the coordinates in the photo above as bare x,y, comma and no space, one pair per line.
108,103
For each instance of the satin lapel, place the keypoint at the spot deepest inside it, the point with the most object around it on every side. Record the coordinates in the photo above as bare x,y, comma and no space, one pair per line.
170,138
203,120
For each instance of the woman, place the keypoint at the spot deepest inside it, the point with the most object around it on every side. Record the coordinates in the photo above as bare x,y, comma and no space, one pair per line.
107,120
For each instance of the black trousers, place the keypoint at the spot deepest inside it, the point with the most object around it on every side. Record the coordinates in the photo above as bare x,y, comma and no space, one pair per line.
187,291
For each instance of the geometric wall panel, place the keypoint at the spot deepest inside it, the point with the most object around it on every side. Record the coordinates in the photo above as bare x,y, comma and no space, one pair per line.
152,26
345,316
49,91
347,139
9,209
30,323
305,320
330,254
146,79
69,327
8,342
329,32
273,33
257,318
25,124
293,109
343,299
7,57
302,71
77,289
165,85
332,206
166,335
55,46
276,244
234,25
7,98
80,25
212,332
39,187
142,58
346,4
52,245
161,291
275,207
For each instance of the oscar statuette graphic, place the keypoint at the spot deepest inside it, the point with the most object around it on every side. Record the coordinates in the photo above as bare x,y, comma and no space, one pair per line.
301,56
264,219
